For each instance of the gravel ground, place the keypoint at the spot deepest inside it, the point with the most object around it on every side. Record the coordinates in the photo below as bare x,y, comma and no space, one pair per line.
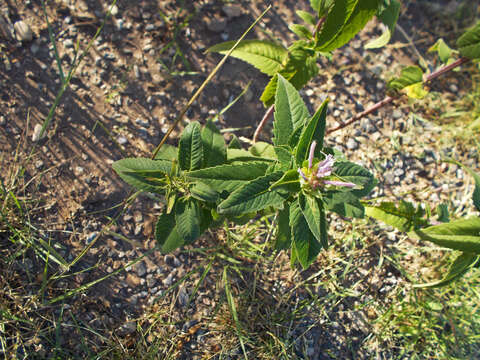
120,104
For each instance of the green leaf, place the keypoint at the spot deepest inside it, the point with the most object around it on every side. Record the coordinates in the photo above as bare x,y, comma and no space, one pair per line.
234,142
264,150
299,68
307,17
410,81
442,49
321,6
315,216
403,217
463,235
253,196
335,21
289,182
214,150
469,43
166,233
203,192
344,21
315,130
290,112
266,56
229,177
241,155
190,149
187,218
344,203
351,172
284,235
142,173
167,152
306,246
301,31
463,263
284,155
389,17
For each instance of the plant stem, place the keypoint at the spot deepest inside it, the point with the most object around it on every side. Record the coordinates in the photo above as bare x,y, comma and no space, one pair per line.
265,118
207,80
389,99
319,24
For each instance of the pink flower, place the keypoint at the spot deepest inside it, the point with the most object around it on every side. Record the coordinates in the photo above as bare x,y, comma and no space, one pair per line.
339,183
310,156
302,174
325,167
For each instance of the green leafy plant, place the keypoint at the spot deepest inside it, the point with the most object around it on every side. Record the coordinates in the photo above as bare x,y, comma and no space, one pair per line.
206,183
298,179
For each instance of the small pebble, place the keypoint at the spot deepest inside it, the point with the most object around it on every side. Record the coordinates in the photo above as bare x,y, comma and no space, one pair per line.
352,144
23,31
90,237
122,140
37,133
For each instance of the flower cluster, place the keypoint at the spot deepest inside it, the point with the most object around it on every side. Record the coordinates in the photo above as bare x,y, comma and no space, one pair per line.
318,177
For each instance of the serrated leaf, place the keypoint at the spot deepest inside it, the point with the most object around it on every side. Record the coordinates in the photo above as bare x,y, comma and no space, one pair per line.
284,236
315,130
307,247
234,142
459,267
166,233
469,43
253,196
388,17
214,150
403,217
203,192
351,172
335,21
284,156
299,68
266,56
190,148
187,219
142,173
344,203
264,150
463,235
314,214
289,182
301,31
344,21
241,155
307,17
290,112
229,177
167,152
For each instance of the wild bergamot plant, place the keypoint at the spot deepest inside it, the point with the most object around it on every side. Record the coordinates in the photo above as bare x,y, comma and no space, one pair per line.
205,182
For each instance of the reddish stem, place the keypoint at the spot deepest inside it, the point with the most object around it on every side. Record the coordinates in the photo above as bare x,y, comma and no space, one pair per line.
265,118
389,99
